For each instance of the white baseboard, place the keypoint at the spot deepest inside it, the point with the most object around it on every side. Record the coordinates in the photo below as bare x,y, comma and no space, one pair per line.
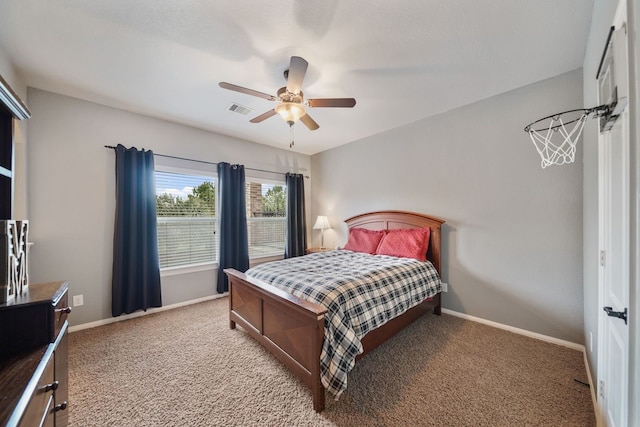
141,313
519,331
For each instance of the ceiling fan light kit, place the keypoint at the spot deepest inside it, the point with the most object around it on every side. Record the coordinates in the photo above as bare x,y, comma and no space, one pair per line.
291,105
290,111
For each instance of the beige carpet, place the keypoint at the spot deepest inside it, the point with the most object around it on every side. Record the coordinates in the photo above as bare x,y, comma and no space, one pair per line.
185,367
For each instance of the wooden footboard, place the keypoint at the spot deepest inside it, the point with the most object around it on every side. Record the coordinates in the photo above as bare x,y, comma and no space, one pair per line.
293,329
289,327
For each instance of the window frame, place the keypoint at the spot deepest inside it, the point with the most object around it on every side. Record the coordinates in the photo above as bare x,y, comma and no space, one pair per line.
198,267
275,182
213,265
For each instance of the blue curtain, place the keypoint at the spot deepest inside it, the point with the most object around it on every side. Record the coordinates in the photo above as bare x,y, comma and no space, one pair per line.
136,272
234,241
296,241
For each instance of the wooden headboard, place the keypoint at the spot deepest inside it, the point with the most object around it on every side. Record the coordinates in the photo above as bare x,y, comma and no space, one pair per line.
389,220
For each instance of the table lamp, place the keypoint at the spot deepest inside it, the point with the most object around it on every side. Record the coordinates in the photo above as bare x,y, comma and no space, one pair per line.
322,223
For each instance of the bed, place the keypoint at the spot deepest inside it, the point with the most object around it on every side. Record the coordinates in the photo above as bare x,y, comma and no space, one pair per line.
293,328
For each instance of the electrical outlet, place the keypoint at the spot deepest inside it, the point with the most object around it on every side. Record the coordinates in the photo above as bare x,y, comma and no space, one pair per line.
444,287
78,300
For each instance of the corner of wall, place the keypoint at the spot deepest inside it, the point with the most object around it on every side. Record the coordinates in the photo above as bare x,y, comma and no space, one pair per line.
11,76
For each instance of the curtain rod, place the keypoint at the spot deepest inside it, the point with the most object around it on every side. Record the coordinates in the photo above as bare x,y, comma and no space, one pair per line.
203,161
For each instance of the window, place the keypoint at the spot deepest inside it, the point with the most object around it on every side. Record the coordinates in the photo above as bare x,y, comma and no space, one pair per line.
187,223
266,217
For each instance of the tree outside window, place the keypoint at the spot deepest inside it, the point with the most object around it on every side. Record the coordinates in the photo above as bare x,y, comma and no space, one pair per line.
187,222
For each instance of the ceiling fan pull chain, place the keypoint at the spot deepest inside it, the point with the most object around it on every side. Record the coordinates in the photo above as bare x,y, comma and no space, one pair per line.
291,142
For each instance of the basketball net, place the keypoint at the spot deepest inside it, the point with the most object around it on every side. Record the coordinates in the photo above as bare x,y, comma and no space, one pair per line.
556,143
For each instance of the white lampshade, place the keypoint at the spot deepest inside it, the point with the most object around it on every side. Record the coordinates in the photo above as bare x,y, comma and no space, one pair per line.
290,111
322,223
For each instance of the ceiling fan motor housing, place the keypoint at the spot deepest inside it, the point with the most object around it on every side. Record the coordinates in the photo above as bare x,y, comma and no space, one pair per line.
286,96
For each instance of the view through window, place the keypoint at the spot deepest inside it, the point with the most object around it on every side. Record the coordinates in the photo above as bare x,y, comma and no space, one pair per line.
266,218
187,222
186,211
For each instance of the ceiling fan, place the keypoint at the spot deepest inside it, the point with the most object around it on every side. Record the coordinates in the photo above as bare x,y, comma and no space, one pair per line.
291,102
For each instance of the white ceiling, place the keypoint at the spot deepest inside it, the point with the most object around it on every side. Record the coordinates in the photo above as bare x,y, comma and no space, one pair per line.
402,60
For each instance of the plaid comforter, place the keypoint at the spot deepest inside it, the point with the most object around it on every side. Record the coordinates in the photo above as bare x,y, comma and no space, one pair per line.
361,292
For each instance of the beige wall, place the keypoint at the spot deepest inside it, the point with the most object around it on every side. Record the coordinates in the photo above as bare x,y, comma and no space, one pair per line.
512,243
9,74
72,185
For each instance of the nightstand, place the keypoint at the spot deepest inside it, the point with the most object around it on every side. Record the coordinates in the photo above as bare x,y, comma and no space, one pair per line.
314,250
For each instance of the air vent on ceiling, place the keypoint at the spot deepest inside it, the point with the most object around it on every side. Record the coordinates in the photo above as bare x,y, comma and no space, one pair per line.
240,109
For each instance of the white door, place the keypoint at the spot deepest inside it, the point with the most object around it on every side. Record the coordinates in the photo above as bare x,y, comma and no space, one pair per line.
614,175
614,284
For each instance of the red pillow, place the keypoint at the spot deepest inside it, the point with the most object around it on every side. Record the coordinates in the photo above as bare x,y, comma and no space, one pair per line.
406,243
362,240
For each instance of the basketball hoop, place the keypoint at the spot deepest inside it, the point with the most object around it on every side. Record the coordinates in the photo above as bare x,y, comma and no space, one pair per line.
555,136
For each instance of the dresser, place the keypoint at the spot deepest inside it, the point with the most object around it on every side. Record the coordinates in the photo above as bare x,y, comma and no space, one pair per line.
34,357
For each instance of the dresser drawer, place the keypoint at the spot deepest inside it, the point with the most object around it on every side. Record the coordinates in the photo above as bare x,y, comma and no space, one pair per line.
33,319
49,419
40,406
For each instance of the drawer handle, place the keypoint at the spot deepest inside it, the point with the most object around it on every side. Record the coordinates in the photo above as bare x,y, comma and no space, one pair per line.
52,387
64,310
60,407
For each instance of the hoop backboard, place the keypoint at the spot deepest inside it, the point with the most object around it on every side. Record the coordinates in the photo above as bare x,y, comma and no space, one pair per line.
612,77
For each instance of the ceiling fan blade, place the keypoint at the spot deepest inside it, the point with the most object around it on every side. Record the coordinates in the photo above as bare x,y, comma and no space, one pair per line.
332,102
263,116
241,89
297,70
309,122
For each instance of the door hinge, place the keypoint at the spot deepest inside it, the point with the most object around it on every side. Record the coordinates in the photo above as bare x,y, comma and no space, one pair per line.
601,389
603,257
